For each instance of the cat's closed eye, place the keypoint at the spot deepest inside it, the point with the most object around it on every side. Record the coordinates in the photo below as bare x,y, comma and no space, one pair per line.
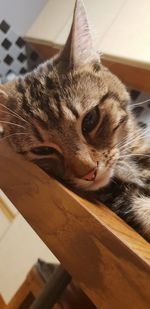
90,120
43,151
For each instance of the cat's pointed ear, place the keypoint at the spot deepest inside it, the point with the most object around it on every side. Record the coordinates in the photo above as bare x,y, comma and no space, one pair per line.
79,48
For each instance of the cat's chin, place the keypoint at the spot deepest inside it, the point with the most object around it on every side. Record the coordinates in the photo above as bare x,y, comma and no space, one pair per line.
100,181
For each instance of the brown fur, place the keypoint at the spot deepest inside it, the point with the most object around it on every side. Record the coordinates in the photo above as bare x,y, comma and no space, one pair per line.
46,108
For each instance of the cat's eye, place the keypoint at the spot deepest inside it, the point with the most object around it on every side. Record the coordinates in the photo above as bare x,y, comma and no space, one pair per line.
43,151
91,120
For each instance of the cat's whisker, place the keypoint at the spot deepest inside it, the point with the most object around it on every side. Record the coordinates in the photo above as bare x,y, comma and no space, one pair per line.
13,113
139,103
9,113
120,143
128,142
134,155
123,147
12,123
127,167
128,139
137,137
128,146
114,181
7,136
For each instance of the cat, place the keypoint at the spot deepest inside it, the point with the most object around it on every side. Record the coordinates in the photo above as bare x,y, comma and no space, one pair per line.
71,116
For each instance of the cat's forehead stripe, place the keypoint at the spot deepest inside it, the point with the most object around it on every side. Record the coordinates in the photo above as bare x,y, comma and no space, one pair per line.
49,83
25,105
42,123
20,87
72,108
37,133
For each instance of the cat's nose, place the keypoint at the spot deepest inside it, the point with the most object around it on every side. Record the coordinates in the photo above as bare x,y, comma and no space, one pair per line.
91,175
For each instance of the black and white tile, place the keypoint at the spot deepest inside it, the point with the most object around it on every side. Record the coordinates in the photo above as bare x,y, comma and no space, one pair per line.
16,56
141,108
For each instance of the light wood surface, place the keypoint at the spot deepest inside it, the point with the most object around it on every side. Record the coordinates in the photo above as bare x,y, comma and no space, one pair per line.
109,260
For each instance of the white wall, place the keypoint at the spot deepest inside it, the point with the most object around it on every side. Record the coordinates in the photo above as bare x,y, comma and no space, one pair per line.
20,13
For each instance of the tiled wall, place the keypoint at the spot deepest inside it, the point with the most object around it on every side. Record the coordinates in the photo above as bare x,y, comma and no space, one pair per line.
16,56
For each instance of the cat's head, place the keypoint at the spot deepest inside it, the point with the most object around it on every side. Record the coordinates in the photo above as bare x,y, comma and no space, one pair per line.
70,115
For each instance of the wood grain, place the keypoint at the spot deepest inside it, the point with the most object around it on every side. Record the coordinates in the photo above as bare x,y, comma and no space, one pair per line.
2,303
130,75
110,261
136,77
46,51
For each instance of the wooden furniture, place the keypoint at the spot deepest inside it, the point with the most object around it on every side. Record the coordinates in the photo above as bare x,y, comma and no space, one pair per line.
109,260
58,291
27,292
2,303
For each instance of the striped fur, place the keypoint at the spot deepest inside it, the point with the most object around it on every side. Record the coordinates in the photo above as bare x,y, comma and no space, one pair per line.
51,107
43,113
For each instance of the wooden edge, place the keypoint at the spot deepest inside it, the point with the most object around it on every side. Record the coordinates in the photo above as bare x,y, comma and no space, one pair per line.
135,77
19,296
127,61
92,243
2,303
35,282
46,51
6,211
31,284
130,75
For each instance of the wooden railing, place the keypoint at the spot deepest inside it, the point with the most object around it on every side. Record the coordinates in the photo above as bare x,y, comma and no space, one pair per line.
110,261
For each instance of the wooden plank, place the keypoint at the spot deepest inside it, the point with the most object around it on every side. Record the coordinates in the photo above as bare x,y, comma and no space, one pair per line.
2,303
136,77
46,51
110,261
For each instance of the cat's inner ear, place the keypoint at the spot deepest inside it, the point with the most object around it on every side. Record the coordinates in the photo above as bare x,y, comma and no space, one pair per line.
79,48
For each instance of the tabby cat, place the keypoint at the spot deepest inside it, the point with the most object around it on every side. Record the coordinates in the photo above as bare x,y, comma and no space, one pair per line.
71,116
